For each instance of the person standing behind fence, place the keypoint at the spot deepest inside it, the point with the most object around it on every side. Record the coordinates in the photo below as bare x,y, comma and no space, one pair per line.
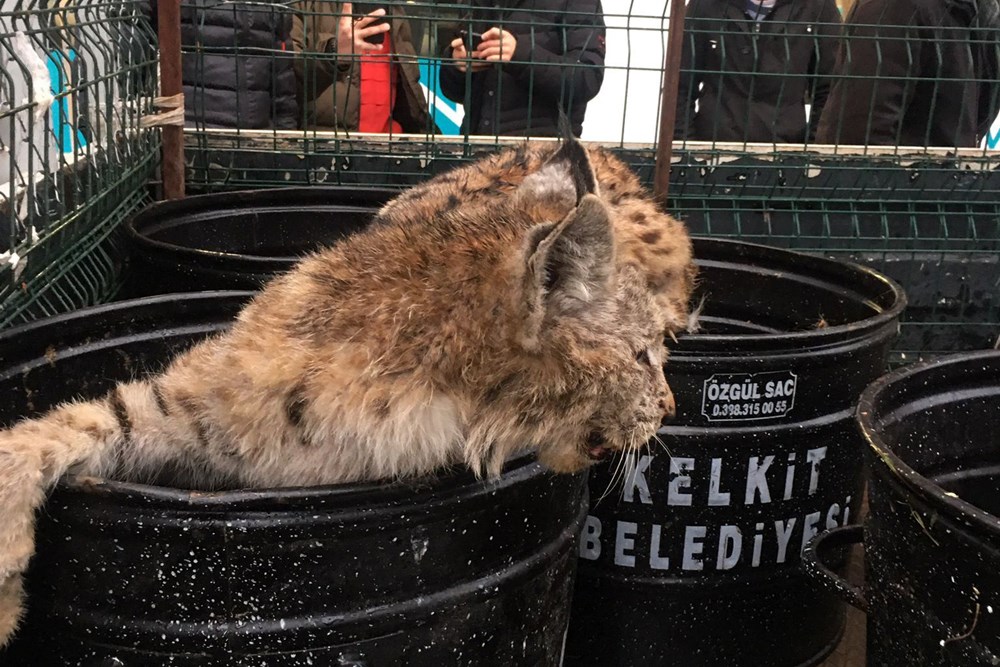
915,73
530,60
749,67
347,82
235,71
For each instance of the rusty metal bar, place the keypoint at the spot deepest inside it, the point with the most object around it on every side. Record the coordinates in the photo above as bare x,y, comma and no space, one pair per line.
169,30
668,101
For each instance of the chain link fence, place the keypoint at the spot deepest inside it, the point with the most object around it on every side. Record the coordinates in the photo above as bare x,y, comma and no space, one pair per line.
75,79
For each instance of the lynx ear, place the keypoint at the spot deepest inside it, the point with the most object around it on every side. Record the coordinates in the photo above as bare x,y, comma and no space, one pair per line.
568,266
564,179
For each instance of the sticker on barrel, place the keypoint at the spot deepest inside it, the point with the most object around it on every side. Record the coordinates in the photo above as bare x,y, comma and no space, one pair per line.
748,396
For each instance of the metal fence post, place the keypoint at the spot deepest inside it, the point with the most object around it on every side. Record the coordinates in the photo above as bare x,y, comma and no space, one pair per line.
169,29
668,101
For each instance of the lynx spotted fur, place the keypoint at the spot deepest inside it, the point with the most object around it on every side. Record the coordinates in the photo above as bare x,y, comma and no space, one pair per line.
518,301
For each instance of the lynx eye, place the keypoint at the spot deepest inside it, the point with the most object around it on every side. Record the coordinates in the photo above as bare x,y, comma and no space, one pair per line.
642,356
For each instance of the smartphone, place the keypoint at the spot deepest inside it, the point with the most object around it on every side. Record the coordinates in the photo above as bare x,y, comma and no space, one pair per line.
470,39
362,9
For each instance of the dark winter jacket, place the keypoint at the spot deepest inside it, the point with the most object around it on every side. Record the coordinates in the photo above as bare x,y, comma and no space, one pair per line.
237,64
923,73
558,64
752,79
329,85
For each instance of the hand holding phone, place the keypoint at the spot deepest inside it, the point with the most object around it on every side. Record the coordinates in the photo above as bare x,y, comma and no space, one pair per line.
367,23
463,47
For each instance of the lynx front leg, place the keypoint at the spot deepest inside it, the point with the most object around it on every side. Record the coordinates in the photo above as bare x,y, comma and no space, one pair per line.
135,430
33,456
21,491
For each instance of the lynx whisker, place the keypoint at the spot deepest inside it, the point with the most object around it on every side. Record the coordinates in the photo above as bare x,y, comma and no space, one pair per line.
656,438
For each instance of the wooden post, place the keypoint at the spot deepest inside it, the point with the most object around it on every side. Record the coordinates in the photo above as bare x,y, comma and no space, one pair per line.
169,29
668,101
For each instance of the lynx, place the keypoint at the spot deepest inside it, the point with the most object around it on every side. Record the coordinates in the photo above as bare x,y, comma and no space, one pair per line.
521,301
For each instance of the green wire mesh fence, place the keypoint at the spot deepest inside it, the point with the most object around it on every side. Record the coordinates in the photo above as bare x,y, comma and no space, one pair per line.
75,79
870,136
303,124
931,221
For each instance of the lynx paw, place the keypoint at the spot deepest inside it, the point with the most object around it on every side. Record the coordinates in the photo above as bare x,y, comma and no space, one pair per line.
11,607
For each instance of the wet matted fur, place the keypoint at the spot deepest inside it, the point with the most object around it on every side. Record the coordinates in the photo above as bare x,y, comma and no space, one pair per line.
518,301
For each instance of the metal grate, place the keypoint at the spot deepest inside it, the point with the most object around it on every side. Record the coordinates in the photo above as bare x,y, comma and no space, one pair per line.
930,220
74,82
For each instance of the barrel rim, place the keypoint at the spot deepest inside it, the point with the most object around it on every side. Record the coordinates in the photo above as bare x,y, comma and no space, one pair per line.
238,200
689,343
695,343
457,483
270,634
170,298
919,485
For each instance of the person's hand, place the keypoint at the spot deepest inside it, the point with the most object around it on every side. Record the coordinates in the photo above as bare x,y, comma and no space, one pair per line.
461,57
351,34
497,46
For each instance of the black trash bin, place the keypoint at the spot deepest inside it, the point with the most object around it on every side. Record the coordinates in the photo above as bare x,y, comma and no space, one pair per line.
932,534
239,240
453,571
693,558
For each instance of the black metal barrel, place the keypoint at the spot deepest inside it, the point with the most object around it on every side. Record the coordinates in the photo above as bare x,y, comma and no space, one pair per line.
239,240
932,535
452,571
691,557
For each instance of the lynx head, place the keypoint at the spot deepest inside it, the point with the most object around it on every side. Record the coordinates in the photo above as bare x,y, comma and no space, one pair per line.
585,376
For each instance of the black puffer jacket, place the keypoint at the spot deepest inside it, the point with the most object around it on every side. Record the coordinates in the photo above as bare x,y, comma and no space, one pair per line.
922,73
558,63
237,64
752,79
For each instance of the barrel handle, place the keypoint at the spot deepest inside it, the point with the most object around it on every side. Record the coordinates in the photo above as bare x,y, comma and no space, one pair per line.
819,572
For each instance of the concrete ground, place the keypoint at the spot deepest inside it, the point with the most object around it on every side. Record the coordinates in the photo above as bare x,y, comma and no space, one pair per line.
851,650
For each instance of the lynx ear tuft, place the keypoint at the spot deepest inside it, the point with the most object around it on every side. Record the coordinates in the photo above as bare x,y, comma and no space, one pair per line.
564,179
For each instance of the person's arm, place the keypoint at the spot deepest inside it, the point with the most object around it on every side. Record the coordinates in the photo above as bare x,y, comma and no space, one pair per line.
823,65
691,75
579,71
308,37
451,78
882,52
